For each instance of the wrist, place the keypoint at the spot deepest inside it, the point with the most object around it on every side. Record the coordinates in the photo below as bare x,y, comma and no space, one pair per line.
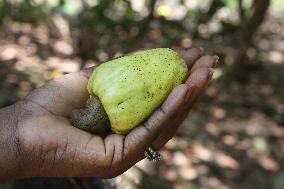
14,160
9,151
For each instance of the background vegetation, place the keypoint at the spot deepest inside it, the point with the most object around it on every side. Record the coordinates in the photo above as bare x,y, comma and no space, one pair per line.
235,135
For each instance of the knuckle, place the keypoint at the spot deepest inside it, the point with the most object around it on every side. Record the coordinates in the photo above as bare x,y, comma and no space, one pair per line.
157,118
117,153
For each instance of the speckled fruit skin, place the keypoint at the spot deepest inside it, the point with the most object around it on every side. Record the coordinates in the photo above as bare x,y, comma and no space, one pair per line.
132,87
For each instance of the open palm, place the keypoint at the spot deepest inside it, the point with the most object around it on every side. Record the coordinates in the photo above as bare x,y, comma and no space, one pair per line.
51,146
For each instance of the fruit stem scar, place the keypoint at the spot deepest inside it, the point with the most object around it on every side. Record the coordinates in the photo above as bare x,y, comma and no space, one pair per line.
93,118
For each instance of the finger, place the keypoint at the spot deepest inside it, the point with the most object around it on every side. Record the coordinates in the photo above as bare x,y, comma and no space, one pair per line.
205,62
195,87
140,138
197,77
62,95
88,71
190,56
165,125
136,142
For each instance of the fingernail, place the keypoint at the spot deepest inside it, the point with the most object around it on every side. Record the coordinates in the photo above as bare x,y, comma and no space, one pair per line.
216,58
210,74
189,93
87,72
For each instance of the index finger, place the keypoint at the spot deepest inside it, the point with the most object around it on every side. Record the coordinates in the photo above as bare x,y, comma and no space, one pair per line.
190,56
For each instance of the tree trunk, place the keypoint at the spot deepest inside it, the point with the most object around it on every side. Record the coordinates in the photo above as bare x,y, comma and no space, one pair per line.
260,9
241,11
248,30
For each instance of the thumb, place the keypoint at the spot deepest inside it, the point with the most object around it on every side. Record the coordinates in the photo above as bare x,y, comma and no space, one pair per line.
60,96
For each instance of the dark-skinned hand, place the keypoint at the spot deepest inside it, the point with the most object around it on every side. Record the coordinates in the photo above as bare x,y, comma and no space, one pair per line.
39,139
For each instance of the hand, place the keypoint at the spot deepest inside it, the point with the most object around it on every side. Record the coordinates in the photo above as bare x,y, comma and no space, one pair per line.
48,145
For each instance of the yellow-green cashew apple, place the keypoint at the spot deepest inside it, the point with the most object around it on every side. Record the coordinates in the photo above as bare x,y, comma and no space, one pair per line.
130,88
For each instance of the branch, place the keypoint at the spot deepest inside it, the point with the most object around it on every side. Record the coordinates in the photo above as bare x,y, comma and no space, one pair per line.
241,10
250,28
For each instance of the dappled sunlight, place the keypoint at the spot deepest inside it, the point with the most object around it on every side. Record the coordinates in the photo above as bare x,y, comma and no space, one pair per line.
66,65
8,53
276,57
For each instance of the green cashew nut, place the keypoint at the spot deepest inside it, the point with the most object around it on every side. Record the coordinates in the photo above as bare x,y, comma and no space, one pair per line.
126,90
